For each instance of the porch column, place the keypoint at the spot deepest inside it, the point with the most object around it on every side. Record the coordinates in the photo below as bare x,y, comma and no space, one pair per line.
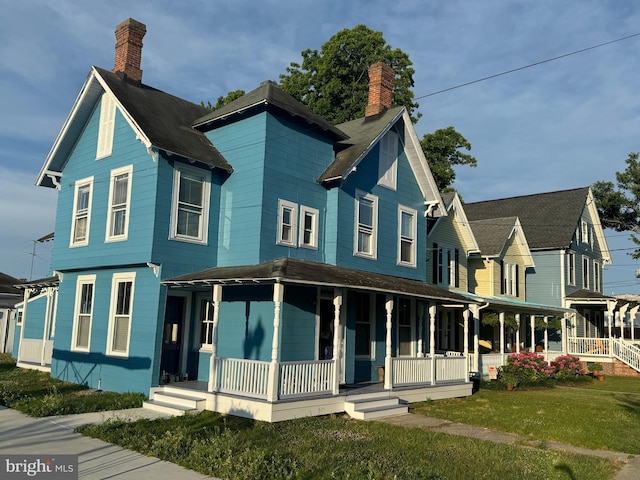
47,324
278,295
475,310
213,361
465,345
518,333
546,338
501,316
388,374
432,341
632,317
23,323
609,315
532,318
623,316
337,354
563,333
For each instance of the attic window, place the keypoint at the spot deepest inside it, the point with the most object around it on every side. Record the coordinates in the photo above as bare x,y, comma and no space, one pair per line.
106,127
388,161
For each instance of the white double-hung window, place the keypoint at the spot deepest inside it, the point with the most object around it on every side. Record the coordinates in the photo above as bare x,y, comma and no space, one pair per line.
119,204
309,227
81,212
120,311
81,334
366,234
406,236
190,206
287,223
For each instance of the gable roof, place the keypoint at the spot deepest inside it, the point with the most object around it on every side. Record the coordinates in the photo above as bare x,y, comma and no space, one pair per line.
161,121
364,134
456,213
549,219
269,94
492,236
8,285
290,270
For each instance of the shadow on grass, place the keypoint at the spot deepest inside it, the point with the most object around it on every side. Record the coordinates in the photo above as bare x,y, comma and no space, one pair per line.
630,403
563,467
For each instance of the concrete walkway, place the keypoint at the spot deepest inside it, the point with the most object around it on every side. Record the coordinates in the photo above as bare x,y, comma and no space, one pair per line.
20,434
630,471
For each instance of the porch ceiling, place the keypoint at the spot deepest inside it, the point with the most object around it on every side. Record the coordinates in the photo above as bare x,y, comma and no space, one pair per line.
294,271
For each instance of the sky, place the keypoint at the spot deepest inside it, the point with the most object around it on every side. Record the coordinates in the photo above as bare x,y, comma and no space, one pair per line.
558,125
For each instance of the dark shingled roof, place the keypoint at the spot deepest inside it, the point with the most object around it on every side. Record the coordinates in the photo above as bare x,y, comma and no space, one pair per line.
492,234
165,119
8,283
40,283
549,220
588,295
268,93
289,270
362,132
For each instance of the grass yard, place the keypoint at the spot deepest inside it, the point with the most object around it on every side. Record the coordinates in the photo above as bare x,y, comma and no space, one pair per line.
600,415
337,447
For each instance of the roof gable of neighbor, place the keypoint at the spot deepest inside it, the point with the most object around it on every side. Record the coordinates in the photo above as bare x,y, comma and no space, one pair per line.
458,218
159,119
268,94
549,219
493,235
364,135
8,283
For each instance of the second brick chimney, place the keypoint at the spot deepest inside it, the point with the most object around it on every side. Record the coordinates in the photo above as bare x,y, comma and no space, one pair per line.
129,36
381,78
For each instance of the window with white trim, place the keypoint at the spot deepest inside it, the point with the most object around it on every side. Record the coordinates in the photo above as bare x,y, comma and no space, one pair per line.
585,272
190,206
586,232
364,326
510,279
19,317
446,265
571,268
388,161
206,322
81,221
407,220
120,311
287,223
119,204
106,126
308,227
366,210
83,313
596,277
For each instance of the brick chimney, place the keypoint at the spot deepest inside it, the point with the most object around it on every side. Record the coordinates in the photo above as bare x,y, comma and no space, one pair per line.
381,78
129,36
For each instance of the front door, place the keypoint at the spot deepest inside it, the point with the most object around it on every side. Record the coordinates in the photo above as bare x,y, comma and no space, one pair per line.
172,336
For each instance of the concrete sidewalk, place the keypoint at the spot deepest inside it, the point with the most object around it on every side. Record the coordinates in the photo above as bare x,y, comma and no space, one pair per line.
630,471
20,434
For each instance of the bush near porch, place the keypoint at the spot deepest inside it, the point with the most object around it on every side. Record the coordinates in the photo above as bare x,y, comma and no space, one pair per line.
527,369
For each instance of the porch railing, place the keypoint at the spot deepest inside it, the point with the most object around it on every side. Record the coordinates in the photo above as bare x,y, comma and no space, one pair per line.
305,378
31,350
451,368
588,346
243,377
411,371
626,352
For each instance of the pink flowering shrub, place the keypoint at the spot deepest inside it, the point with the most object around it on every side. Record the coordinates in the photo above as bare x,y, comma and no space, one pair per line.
527,367
566,366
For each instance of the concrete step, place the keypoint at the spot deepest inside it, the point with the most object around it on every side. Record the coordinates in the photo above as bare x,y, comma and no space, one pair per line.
373,413
374,407
192,403
168,408
374,402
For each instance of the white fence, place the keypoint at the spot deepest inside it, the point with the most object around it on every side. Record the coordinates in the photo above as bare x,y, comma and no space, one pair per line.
305,378
31,350
451,368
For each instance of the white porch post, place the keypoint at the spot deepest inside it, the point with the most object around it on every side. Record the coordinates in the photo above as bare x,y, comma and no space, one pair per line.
432,341
47,323
501,316
632,317
388,374
475,310
609,316
532,318
623,316
278,295
563,333
546,338
24,323
213,361
337,354
518,333
465,344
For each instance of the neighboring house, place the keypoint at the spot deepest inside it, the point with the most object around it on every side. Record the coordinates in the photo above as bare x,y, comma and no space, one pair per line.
256,258
10,296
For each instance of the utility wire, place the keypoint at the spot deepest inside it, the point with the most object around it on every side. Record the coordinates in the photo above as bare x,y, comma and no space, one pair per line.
529,66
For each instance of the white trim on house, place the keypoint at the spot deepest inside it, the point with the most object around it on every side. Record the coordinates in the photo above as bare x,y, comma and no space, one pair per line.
312,231
81,282
287,232
369,231
405,237
83,213
106,126
117,279
388,161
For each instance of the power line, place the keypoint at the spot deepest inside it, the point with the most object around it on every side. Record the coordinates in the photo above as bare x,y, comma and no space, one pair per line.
529,66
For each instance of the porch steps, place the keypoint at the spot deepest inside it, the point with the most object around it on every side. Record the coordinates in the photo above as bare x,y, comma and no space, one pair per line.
173,403
369,407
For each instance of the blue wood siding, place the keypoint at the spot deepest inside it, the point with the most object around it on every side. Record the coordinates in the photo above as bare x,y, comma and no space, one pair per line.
298,327
544,284
36,313
136,372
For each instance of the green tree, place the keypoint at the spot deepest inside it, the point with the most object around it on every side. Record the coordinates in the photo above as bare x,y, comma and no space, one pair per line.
222,101
334,82
442,149
619,205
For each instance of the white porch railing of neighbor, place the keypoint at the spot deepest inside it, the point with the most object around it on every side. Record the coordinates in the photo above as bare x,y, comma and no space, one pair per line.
305,378
588,346
626,352
411,371
451,368
31,351
243,377
485,361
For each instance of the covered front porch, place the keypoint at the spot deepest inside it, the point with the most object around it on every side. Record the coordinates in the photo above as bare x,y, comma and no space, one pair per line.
332,330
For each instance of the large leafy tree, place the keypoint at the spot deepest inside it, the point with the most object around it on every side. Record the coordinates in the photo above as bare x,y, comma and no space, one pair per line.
619,205
334,81
443,150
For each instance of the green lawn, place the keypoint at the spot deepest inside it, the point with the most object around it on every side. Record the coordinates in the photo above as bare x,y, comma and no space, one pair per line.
601,415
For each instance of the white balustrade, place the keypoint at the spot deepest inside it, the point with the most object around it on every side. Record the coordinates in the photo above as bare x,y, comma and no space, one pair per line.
451,368
298,379
31,351
411,371
588,346
626,352
243,377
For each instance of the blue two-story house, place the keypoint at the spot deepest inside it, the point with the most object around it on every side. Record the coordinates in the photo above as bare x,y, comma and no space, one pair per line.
254,260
